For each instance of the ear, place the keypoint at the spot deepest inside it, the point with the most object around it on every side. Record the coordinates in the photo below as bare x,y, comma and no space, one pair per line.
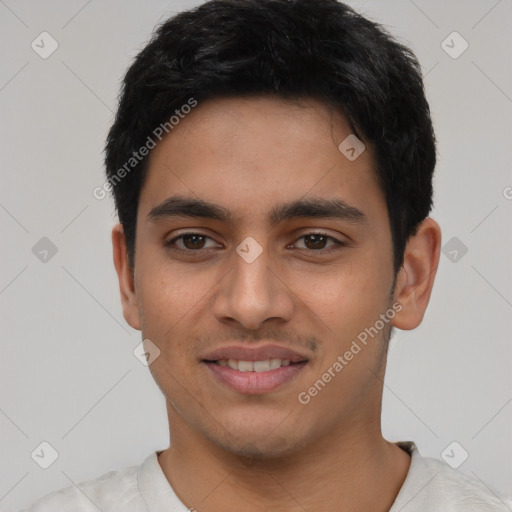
415,278
125,277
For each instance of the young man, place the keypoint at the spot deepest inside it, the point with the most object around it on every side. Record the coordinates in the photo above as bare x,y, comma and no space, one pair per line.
271,163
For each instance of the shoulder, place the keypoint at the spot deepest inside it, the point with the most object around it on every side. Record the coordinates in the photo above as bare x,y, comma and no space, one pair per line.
111,492
463,491
432,485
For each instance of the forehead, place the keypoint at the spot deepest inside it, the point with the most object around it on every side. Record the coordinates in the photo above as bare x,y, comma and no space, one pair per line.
248,154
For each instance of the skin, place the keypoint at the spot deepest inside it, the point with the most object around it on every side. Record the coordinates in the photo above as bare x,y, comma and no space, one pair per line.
232,451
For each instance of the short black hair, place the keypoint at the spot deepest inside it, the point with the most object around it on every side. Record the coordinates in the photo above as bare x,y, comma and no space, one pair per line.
320,49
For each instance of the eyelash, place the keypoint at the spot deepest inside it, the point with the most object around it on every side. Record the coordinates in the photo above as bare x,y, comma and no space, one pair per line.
338,244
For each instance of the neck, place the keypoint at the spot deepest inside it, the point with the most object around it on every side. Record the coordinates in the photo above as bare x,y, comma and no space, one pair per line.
352,469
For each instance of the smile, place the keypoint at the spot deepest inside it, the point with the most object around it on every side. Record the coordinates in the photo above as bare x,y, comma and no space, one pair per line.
254,366
254,377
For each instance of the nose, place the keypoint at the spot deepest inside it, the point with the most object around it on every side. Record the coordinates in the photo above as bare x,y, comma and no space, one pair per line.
253,293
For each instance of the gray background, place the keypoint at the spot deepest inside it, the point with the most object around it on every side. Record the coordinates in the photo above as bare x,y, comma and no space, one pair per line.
68,373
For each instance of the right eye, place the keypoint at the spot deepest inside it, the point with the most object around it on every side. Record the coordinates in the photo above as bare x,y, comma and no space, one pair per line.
190,242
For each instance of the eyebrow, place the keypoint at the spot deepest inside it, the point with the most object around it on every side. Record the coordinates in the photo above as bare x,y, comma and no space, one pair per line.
319,208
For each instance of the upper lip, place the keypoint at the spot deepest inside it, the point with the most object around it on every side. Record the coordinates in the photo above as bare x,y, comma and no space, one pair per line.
261,353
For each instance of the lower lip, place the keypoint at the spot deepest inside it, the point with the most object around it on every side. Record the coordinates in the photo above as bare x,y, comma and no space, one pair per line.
255,382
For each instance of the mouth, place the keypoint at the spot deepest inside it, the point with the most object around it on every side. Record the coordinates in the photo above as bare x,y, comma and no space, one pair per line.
254,377
264,365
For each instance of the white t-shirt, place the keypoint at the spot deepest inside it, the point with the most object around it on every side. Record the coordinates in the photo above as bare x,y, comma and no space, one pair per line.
430,486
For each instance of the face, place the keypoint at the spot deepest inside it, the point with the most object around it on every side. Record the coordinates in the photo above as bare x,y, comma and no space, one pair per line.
286,255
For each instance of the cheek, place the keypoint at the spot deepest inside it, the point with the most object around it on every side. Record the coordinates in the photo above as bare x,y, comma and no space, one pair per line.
166,308
171,288
344,300
165,298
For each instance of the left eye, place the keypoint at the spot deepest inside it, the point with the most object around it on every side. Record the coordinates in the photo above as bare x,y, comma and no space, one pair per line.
317,241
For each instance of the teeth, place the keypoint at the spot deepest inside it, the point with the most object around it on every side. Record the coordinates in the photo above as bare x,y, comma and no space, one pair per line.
254,366
275,363
261,366
246,366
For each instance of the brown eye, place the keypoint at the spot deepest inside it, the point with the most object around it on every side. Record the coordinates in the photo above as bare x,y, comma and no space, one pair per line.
318,242
315,241
193,241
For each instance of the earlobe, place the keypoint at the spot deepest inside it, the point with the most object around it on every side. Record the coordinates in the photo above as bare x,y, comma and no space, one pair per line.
415,279
125,277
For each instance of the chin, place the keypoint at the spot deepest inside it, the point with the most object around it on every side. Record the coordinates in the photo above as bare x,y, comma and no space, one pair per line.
256,445
257,450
